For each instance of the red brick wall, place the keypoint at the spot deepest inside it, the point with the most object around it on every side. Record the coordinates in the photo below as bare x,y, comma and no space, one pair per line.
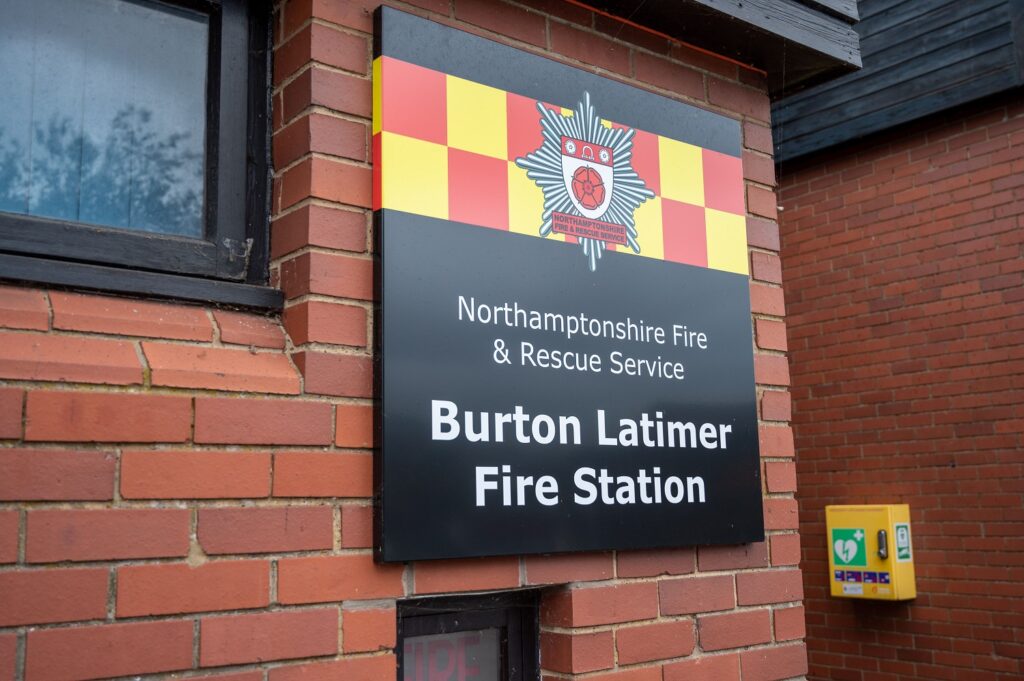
903,260
186,489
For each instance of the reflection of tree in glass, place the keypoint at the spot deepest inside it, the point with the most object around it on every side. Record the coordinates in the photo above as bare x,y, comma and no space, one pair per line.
135,178
13,178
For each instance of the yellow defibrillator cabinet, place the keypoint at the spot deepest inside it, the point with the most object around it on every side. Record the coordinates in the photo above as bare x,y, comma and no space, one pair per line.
870,552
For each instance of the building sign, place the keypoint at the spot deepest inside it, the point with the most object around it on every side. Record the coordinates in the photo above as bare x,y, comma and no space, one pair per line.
565,325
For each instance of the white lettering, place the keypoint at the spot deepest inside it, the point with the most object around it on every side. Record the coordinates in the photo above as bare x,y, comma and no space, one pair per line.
442,413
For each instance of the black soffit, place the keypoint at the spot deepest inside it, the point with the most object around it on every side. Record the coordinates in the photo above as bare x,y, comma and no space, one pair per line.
798,43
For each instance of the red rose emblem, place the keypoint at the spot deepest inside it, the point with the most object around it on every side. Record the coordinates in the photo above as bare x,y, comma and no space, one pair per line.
588,187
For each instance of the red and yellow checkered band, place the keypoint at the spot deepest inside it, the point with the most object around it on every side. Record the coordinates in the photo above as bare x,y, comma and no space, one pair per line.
445,147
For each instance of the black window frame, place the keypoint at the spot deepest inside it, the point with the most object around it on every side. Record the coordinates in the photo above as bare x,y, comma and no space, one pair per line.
515,613
229,263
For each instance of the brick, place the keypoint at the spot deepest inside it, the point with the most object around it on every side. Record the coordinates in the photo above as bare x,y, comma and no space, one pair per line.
255,675
327,179
505,19
767,300
559,569
763,233
775,586
332,90
766,267
276,118
789,623
618,29
56,475
339,137
242,639
8,656
126,317
262,422
316,42
321,134
12,402
757,137
253,330
780,476
354,426
37,357
785,549
349,669
106,534
770,664
10,521
654,562
691,595
43,596
578,652
188,366
659,641
780,514
776,405
669,75
776,441
356,527
887,404
734,630
107,651
474,574
99,417
771,370
641,674
266,530
753,77
592,50
316,321
705,668
759,168
22,308
762,202
171,589
739,99
356,15
294,184
323,474
322,579
336,374
187,474
318,225
771,335
751,555
698,58
368,630
576,14
590,606
328,274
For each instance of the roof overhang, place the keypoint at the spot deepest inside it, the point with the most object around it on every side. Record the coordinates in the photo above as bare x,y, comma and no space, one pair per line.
797,43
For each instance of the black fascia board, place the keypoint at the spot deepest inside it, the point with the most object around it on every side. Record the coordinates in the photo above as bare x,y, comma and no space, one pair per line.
797,43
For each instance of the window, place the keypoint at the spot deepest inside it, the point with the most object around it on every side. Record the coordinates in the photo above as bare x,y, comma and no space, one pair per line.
481,638
133,146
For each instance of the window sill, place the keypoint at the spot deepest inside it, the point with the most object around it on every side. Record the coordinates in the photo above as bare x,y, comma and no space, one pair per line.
148,284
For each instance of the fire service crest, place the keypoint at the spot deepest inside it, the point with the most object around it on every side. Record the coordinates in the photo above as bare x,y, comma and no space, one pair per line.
590,189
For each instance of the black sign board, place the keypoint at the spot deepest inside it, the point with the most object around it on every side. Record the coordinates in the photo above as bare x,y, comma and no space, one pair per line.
565,327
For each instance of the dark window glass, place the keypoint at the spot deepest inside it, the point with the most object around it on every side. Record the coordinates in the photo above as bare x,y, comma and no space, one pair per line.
105,114
473,655
492,637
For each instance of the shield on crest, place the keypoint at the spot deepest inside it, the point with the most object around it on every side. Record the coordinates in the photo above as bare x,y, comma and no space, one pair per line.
588,173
